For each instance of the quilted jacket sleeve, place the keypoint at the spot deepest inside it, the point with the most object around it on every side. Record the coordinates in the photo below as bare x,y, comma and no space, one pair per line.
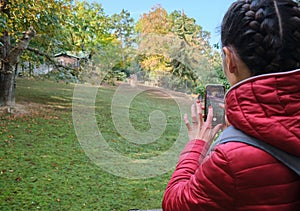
198,184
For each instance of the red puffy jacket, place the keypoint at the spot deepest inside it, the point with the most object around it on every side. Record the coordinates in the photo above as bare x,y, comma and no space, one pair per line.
236,176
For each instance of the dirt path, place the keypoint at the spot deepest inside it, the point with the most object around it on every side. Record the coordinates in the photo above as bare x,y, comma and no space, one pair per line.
161,92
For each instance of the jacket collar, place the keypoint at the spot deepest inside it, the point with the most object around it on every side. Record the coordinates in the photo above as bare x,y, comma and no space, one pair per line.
267,107
258,77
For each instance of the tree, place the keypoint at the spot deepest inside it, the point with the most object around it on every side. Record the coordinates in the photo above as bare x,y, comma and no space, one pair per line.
87,27
39,18
101,68
189,55
175,43
154,39
123,28
156,21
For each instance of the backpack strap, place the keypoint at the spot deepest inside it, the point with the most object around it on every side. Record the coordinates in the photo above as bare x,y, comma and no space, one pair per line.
231,134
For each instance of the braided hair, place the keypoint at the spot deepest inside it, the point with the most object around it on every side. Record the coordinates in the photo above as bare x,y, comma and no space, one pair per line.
264,33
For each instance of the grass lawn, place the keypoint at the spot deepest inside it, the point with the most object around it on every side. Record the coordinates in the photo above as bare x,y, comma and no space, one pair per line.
44,167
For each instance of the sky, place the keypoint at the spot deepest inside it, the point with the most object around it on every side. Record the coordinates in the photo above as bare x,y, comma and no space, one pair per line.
207,13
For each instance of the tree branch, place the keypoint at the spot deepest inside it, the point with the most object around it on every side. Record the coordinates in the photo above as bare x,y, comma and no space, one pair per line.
49,58
21,46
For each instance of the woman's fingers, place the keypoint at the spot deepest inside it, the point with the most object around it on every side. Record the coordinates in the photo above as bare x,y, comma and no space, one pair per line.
209,117
221,105
186,121
226,124
199,129
193,113
216,129
199,112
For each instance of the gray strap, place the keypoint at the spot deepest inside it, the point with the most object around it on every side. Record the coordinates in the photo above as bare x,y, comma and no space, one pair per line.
231,134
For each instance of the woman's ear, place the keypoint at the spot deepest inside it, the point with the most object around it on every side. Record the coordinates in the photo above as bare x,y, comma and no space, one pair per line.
230,59
234,68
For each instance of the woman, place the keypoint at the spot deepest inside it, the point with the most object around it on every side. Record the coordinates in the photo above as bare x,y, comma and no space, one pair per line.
261,60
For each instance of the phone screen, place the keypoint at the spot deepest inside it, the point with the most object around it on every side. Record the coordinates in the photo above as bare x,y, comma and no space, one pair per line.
214,96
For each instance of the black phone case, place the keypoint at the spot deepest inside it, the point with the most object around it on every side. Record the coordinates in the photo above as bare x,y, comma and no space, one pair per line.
214,95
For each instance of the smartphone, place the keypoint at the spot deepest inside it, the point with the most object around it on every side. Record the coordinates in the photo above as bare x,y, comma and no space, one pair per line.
214,96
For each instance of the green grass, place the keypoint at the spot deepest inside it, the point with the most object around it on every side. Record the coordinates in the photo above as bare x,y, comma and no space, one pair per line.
44,167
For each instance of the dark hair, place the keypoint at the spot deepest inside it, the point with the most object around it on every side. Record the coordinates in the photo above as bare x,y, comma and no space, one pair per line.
264,33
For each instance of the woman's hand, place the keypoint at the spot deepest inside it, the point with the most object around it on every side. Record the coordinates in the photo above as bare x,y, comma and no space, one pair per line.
227,124
199,129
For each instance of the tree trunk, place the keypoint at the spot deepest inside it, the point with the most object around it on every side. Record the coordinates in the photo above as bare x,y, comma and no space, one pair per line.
6,72
9,60
7,92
